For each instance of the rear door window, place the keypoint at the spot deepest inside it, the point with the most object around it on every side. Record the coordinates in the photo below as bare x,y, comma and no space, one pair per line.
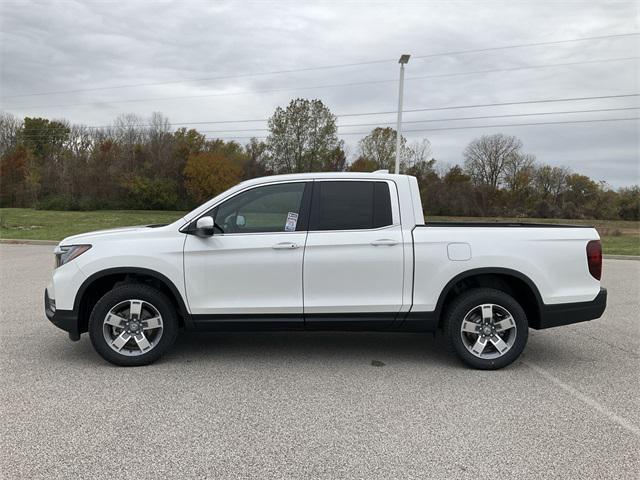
350,205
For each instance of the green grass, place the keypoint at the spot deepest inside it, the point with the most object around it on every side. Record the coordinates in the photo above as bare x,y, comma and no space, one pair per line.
618,237
622,245
25,223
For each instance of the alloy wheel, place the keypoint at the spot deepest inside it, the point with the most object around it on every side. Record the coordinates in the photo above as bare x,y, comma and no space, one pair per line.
488,331
132,327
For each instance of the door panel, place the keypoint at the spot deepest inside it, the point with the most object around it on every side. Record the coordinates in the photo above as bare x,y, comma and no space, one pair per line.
250,273
353,271
244,274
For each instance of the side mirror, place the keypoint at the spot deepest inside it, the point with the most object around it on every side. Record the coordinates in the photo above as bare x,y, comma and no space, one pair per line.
204,227
240,221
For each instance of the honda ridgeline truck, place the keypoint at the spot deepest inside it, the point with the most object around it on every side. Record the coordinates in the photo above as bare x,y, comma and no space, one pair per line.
324,251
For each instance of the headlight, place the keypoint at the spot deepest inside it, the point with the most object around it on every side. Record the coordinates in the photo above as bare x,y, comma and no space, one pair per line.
66,253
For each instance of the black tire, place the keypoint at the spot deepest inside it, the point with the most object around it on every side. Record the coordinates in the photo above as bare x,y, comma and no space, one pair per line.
121,294
464,304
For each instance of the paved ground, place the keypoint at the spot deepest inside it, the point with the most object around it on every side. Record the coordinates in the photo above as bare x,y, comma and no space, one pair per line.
312,405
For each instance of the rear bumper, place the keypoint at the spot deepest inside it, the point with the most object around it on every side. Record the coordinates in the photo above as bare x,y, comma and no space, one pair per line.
568,313
65,320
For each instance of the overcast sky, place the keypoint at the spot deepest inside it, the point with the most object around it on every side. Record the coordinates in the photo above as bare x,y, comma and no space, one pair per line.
51,46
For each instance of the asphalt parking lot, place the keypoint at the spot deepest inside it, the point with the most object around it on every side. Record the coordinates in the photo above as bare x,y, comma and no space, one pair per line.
309,405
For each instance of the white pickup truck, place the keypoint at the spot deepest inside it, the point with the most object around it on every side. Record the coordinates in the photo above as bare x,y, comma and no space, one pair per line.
324,251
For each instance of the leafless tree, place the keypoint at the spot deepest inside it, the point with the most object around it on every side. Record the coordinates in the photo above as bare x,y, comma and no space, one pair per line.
418,152
487,157
9,128
129,133
160,139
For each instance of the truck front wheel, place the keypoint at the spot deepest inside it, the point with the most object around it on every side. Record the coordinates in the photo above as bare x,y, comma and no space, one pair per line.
133,325
486,328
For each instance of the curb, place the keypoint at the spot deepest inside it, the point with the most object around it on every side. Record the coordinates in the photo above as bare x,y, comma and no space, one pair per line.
28,242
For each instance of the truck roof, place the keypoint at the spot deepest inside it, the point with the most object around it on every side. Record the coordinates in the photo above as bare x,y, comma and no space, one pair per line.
377,175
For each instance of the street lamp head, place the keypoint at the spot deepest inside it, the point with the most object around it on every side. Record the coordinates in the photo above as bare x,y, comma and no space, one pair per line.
404,59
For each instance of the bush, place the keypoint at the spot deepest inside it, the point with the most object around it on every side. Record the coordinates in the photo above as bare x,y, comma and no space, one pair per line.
55,202
629,203
151,194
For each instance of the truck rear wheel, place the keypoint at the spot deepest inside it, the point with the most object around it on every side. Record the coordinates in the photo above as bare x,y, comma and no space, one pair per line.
486,328
133,325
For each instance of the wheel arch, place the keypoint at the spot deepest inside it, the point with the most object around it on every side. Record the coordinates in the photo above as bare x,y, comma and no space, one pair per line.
101,282
512,282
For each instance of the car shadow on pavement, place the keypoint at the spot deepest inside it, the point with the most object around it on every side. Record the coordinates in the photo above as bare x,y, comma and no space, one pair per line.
377,349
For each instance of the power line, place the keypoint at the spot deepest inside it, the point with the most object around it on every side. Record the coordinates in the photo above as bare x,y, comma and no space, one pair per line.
526,67
323,67
483,117
506,125
454,107
334,85
502,104
538,44
513,125
432,120
470,127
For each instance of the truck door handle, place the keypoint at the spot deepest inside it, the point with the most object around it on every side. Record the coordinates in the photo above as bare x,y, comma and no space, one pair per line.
384,242
285,246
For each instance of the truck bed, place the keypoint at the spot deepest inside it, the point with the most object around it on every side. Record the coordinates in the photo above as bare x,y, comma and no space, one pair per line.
502,224
552,257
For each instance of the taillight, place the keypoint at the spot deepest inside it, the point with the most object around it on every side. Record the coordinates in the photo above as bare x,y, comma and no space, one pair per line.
594,258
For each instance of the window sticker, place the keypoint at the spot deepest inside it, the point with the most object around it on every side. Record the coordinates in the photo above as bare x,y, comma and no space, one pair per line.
292,221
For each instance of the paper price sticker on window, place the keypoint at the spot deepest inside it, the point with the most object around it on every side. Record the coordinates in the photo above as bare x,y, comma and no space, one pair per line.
292,221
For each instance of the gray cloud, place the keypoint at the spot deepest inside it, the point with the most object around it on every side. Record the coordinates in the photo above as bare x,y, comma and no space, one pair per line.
49,46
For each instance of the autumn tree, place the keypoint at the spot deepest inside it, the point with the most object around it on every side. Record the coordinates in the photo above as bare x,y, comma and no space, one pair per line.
518,178
580,194
257,156
336,160
550,181
15,184
144,163
302,138
209,173
48,141
628,203
458,193
363,164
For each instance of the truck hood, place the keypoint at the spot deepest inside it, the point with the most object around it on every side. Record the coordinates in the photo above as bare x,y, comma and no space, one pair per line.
111,233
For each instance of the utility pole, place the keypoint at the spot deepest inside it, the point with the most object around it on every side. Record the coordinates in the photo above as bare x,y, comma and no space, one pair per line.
403,60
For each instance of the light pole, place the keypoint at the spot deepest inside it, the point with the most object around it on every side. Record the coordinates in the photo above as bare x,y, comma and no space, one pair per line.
403,60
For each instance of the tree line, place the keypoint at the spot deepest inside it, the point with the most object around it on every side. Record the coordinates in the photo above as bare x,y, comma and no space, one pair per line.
138,163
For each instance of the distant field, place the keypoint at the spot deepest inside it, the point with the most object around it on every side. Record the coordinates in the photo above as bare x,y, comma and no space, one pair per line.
618,237
25,223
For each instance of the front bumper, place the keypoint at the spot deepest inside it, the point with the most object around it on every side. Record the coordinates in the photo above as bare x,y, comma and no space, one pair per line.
66,320
568,313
